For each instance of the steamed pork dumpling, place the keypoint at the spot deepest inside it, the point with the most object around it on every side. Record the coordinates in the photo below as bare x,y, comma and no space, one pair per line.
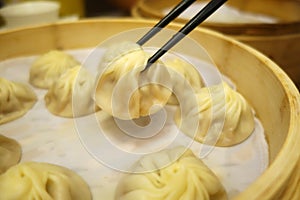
182,176
47,68
15,100
124,91
10,153
33,180
183,75
71,95
224,116
115,51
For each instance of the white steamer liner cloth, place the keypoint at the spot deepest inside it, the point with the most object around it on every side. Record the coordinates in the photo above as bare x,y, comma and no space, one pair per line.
45,137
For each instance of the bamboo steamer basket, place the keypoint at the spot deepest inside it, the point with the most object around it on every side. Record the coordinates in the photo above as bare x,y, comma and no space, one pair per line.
280,41
267,87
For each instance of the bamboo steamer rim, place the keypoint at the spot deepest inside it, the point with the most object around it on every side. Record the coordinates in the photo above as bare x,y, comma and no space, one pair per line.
144,8
289,153
287,160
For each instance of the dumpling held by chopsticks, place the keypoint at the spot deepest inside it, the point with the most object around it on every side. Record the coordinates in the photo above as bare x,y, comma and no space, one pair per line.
123,90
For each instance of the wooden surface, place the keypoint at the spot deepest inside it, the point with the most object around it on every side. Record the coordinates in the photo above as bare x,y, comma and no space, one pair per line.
268,89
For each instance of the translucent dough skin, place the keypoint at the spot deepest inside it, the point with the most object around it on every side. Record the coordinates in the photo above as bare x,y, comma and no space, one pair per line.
187,178
228,122
10,153
47,69
15,100
123,91
182,73
76,84
44,181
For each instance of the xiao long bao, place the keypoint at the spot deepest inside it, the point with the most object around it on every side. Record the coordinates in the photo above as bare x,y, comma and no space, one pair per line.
182,74
32,180
224,116
181,175
76,84
10,153
15,100
47,68
123,90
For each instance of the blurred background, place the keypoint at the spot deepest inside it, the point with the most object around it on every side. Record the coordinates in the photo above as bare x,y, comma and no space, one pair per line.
89,8
278,37
108,7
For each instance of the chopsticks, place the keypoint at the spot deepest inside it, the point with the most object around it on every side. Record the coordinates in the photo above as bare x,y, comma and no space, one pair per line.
177,10
203,14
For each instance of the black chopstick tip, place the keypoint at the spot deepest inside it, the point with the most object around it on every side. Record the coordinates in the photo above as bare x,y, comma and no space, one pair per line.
147,66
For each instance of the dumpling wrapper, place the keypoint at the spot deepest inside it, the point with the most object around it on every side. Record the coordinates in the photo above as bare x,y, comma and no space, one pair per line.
224,117
124,91
47,68
183,74
32,180
75,85
15,100
10,153
182,176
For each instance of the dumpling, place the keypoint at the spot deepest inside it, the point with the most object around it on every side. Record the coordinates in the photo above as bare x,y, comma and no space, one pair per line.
182,176
10,153
224,116
32,180
124,91
71,95
117,50
183,75
15,100
47,69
